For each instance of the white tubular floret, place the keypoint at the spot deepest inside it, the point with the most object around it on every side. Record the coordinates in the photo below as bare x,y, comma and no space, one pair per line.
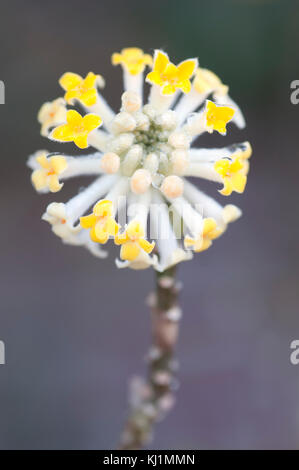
170,252
131,102
189,103
226,100
79,204
98,139
103,109
160,102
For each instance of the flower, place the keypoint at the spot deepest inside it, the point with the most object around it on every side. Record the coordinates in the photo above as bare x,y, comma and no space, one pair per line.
141,160
206,81
169,76
77,128
132,241
133,59
209,232
233,178
51,114
81,89
101,222
47,175
217,117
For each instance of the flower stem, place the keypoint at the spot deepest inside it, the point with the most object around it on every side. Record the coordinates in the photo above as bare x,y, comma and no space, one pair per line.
151,399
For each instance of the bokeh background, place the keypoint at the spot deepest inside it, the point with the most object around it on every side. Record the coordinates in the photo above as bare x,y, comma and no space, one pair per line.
76,328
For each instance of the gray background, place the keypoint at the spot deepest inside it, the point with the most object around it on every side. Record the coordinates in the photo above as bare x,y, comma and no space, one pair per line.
75,327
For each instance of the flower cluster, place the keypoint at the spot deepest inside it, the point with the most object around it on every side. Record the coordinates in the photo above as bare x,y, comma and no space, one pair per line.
142,157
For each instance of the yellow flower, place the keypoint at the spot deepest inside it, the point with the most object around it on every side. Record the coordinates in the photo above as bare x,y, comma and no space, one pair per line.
133,241
51,114
217,117
47,175
204,241
101,222
82,89
133,59
169,76
77,128
206,81
233,175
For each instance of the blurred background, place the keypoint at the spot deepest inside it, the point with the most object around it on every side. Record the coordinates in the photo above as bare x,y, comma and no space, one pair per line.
75,327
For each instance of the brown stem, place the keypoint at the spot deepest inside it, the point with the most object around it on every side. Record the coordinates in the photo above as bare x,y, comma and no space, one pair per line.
151,399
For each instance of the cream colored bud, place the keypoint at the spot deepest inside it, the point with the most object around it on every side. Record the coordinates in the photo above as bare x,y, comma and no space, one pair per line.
121,143
230,213
179,160
167,120
123,122
140,181
195,124
142,121
179,140
163,163
132,160
131,101
150,111
172,186
151,162
110,162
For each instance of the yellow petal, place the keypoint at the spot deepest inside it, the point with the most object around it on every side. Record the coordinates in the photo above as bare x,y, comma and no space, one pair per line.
129,251
58,163
63,133
185,86
168,89
222,166
70,80
90,80
121,238
135,230
206,243
39,179
161,61
54,184
239,182
43,161
186,69
71,95
116,58
209,224
146,245
96,239
227,187
100,230
88,221
103,208
171,72
112,227
155,78
73,117
89,98
81,140
91,121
